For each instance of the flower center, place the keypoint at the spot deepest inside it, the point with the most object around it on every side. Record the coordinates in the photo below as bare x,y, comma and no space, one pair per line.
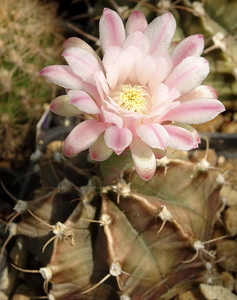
134,98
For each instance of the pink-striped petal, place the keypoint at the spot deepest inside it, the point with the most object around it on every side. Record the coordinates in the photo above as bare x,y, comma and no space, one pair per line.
62,107
154,135
182,138
62,76
83,102
195,111
82,62
136,22
111,29
143,158
117,139
188,74
160,32
202,91
79,43
190,46
99,150
83,136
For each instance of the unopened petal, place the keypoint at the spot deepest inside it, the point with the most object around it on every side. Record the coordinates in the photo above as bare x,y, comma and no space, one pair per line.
62,107
136,22
195,111
182,138
189,74
190,46
83,102
83,136
153,135
143,158
160,32
99,150
117,139
111,29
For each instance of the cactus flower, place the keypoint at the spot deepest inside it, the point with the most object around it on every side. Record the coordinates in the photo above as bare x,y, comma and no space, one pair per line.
140,97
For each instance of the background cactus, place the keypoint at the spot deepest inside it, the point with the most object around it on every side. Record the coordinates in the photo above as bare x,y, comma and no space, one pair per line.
29,38
134,239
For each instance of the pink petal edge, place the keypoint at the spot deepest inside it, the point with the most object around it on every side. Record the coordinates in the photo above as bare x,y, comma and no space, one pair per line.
83,136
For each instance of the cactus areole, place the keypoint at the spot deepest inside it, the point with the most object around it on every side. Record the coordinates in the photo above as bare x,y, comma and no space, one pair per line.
140,97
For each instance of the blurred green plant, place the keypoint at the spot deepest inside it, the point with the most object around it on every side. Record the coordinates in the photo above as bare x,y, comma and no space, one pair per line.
29,39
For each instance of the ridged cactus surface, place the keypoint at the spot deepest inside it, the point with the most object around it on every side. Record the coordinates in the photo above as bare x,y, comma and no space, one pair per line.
140,240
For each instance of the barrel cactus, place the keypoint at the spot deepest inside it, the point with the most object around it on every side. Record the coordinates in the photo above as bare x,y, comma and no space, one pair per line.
124,220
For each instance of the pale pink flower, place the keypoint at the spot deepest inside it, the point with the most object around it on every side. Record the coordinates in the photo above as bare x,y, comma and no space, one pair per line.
140,96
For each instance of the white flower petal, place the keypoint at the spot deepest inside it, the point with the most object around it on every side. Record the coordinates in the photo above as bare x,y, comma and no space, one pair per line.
188,74
83,136
143,158
182,138
160,32
117,139
83,102
82,62
136,22
190,46
153,135
112,32
195,111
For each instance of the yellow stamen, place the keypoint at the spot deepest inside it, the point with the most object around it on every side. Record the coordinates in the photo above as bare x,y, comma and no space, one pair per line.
134,98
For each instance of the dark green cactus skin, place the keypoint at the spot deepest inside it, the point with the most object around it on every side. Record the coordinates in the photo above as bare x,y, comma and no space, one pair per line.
152,263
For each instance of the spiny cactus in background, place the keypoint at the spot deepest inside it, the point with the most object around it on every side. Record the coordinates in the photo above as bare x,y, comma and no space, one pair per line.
29,39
